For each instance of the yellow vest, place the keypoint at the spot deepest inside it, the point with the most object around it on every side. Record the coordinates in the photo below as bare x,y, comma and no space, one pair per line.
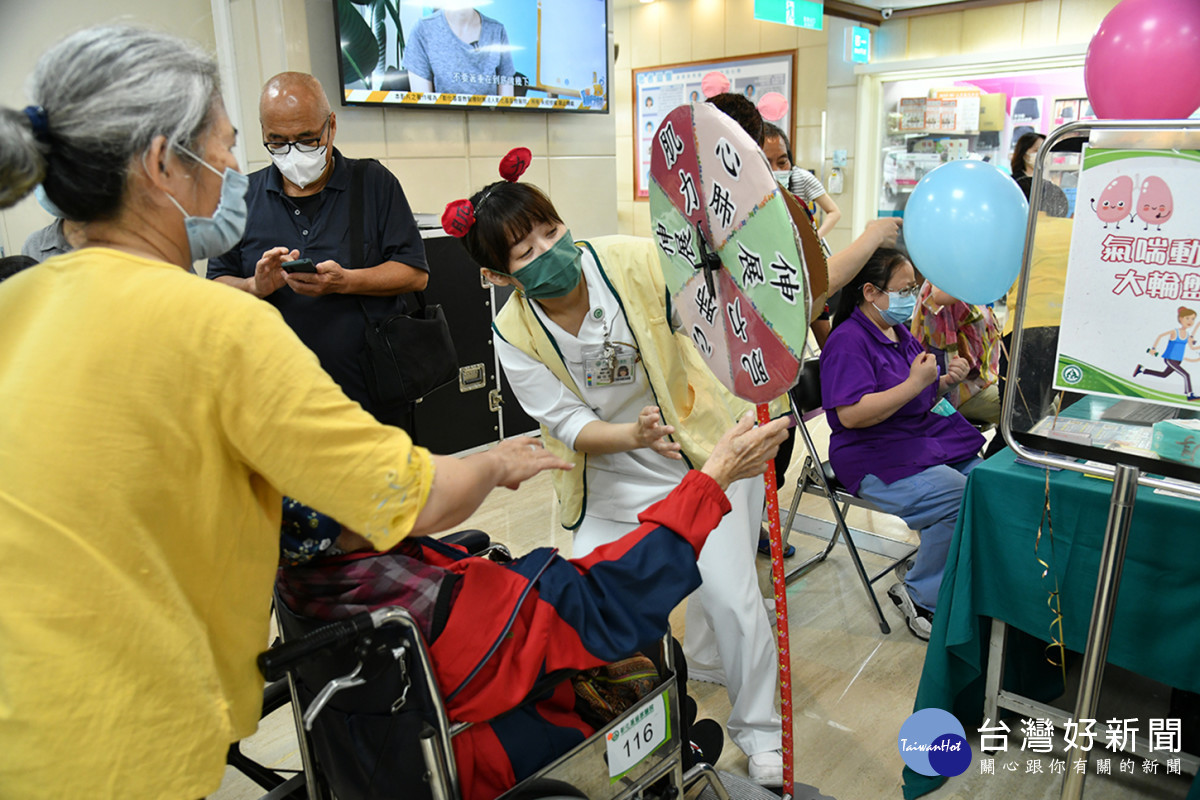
690,397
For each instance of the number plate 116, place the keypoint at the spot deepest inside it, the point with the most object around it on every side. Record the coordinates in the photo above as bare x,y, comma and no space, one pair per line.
638,736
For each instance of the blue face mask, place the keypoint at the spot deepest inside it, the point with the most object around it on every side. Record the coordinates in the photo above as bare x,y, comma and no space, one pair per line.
46,203
900,308
209,237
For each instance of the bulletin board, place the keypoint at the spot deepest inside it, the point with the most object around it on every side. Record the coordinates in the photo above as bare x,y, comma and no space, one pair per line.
657,90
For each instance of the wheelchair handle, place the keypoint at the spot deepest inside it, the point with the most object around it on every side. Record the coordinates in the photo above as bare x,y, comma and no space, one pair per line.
279,660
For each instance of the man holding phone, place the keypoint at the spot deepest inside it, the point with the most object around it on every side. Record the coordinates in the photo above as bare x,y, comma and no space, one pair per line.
296,251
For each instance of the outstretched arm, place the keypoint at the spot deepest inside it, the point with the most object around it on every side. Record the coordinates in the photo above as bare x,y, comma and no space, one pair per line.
845,264
461,484
832,214
611,437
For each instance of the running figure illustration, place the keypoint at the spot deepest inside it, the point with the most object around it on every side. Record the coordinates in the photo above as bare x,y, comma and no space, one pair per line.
1177,340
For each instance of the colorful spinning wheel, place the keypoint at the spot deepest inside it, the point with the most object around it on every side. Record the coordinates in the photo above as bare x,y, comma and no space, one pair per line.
732,258
742,263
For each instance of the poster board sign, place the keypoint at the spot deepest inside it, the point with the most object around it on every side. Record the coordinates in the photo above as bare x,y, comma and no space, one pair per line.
966,107
1132,288
658,90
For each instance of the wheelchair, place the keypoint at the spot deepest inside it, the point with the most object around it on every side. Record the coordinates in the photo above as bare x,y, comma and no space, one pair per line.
372,723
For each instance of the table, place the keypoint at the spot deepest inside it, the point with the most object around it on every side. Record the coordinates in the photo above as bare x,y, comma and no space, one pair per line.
992,572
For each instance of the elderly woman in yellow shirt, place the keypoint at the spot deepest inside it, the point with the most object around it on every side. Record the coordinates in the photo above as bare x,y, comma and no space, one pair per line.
152,421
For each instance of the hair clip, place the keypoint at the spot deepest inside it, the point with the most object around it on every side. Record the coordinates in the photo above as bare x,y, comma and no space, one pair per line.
713,84
773,106
514,164
39,123
458,218
459,215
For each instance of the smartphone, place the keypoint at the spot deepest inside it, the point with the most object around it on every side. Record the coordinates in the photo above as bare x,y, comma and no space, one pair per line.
299,265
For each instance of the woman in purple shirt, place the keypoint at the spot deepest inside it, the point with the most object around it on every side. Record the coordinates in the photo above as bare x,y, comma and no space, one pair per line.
895,442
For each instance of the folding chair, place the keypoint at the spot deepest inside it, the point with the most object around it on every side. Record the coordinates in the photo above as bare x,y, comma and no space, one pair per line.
817,478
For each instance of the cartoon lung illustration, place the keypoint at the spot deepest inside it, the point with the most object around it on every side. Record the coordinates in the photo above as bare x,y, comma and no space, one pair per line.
1154,205
1116,201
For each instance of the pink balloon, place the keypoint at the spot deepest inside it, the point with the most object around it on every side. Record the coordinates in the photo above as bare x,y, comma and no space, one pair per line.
1144,61
713,84
773,106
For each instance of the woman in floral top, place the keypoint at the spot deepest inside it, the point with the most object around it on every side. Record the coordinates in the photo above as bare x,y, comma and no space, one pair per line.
944,323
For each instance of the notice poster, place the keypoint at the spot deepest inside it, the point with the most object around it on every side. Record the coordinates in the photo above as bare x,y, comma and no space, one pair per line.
659,90
1132,293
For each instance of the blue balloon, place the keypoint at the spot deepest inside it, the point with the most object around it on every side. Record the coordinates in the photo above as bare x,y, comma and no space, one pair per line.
964,227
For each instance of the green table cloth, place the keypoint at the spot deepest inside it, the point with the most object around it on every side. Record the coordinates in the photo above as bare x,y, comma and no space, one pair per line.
993,572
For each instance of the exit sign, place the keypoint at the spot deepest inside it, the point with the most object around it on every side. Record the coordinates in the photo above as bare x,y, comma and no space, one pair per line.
858,45
800,13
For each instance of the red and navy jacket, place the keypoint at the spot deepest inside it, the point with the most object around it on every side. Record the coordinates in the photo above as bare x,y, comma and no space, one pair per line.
570,615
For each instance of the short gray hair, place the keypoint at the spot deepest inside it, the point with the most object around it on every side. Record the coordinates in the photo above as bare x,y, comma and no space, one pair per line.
106,93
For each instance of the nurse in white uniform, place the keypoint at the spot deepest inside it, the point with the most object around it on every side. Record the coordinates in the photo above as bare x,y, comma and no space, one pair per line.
611,419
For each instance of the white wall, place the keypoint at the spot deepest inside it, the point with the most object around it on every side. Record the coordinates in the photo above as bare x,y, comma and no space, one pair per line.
29,27
672,31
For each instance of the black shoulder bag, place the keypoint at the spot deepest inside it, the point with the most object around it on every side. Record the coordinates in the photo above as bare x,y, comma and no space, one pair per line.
408,355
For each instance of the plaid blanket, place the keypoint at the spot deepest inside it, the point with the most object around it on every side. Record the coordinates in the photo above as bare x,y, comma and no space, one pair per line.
338,587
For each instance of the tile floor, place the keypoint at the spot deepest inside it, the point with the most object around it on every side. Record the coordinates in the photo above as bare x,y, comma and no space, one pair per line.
853,686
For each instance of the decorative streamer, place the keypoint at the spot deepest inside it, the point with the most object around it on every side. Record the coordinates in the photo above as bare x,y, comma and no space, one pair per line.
1054,601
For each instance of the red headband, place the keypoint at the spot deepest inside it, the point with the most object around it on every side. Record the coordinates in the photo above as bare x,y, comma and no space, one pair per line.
459,215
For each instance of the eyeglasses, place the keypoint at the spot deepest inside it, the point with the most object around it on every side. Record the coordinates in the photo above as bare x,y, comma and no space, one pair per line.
302,145
910,291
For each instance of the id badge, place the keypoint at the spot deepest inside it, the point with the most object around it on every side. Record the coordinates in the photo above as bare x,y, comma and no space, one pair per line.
608,365
944,408
599,364
626,369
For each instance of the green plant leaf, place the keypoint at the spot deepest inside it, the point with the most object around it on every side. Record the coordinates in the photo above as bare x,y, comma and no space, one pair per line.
360,48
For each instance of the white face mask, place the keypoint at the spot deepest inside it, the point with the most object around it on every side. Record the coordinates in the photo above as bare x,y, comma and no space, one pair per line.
1030,157
299,168
783,176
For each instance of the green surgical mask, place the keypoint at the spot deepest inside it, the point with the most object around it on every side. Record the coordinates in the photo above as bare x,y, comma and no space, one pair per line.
555,272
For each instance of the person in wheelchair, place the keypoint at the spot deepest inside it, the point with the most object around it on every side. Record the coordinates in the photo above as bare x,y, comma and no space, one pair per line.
895,440
492,646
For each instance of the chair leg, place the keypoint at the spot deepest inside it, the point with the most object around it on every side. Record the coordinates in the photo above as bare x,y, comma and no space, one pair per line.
802,483
814,475
861,570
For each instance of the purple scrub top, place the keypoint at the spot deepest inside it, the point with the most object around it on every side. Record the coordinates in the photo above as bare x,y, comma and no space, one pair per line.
857,360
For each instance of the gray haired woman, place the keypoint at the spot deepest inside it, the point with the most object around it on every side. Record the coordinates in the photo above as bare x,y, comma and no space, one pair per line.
152,422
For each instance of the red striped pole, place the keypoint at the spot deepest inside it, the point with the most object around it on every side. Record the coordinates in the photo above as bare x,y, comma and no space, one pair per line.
779,582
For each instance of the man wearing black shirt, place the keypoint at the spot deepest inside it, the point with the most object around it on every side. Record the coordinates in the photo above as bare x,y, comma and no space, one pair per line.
299,207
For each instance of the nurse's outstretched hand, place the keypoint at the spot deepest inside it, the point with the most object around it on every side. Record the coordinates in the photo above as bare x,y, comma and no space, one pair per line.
652,433
745,450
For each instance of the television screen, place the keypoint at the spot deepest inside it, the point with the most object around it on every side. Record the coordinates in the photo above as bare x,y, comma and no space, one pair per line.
543,55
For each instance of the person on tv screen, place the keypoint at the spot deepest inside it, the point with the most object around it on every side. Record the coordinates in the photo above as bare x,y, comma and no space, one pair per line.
460,51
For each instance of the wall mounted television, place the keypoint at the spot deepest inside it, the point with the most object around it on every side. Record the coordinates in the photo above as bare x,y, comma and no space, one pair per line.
525,55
